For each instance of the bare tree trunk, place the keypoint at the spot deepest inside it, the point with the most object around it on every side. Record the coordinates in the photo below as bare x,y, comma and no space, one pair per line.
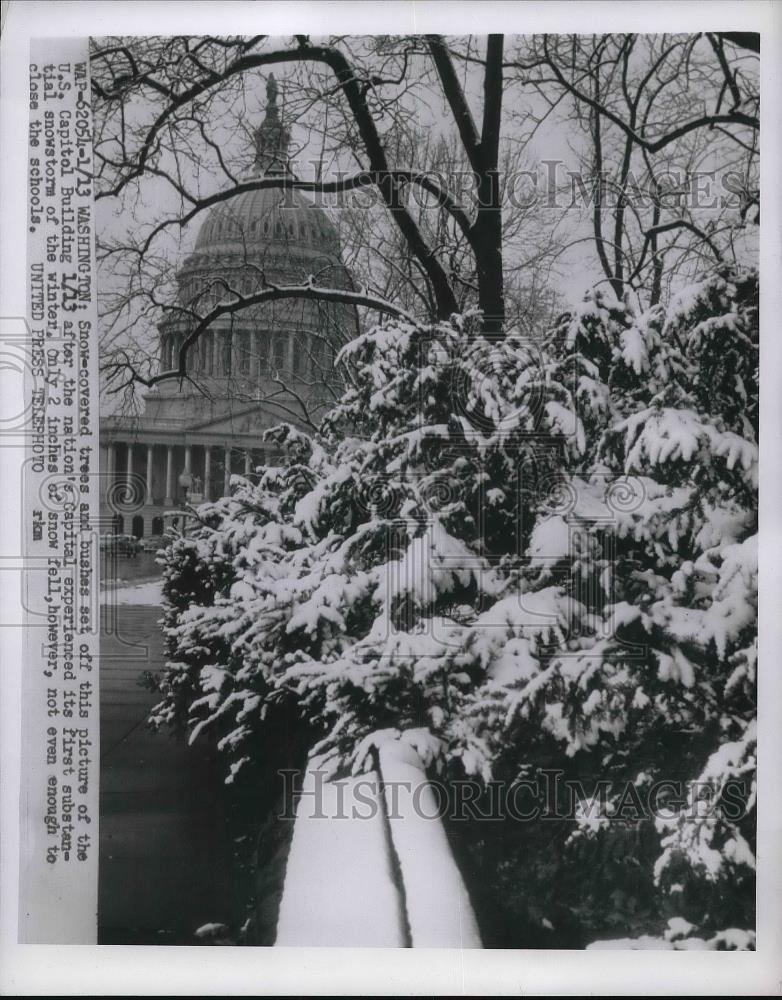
485,234
488,226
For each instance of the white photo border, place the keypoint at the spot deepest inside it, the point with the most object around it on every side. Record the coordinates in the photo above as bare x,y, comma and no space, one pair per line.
129,970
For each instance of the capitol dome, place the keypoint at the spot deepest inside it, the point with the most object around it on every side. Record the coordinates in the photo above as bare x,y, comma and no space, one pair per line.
251,369
246,242
259,219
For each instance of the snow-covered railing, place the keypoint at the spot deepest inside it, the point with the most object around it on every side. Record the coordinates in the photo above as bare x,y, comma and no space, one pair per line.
370,863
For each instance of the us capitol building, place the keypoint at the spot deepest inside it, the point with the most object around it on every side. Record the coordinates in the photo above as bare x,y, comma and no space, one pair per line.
249,370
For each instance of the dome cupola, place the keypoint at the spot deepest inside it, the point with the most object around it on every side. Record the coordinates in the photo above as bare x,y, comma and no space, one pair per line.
272,139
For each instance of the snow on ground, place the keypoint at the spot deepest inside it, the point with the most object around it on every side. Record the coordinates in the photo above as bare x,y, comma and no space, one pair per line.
147,592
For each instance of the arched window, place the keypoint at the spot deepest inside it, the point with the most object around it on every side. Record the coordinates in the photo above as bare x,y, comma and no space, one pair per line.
138,526
217,355
157,525
278,351
262,351
208,340
301,356
244,353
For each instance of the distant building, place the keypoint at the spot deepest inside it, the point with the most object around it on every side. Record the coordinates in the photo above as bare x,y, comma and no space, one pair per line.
194,433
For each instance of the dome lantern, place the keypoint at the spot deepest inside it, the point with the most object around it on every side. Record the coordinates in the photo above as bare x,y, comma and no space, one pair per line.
271,138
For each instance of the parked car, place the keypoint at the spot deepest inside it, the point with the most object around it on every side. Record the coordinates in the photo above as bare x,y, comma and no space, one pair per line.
153,543
123,545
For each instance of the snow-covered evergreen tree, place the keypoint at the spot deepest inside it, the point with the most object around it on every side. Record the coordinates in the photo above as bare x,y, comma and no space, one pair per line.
519,557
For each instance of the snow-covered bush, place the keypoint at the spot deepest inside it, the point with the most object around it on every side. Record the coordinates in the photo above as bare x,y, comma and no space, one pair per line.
520,557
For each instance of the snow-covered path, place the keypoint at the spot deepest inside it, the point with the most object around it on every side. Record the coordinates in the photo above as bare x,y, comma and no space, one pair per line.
148,593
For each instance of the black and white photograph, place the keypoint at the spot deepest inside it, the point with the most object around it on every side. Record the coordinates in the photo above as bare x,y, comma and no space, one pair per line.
441,467
419,527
